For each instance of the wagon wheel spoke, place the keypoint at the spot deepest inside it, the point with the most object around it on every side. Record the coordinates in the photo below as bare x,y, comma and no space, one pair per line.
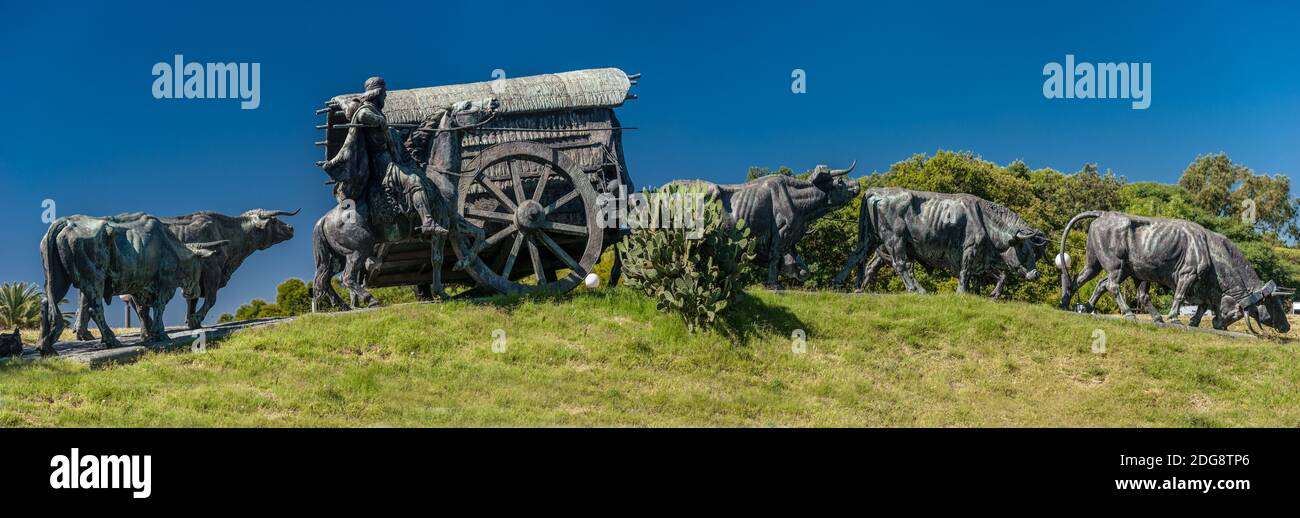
496,191
564,228
541,184
497,237
490,215
560,202
514,254
559,252
516,182
537,263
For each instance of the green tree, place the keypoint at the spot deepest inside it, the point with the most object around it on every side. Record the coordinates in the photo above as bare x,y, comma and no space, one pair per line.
20,306
1267,199
1210,179
1221,187
292,297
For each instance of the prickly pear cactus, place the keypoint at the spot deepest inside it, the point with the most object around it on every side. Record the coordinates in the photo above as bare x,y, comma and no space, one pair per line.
694,272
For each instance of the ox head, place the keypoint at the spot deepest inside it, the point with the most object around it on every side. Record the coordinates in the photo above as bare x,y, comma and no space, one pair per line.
265,229
1266,304
839,189
1027,246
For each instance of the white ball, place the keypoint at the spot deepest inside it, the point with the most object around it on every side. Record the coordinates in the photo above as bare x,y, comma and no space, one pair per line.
1062,261
592,280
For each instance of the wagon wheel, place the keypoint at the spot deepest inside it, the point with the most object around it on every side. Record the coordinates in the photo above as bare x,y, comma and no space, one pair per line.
523,223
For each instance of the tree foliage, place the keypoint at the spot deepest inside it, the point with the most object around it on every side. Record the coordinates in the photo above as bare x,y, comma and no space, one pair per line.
20,306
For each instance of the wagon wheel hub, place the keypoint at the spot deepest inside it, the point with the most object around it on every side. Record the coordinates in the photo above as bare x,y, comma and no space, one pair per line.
530,215
526,240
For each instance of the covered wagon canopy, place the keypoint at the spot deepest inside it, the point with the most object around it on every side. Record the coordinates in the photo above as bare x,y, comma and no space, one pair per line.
595,88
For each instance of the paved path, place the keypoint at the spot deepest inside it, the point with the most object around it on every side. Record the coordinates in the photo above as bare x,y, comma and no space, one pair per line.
94,354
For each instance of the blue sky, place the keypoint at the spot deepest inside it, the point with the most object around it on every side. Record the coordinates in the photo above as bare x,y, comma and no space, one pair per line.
884,81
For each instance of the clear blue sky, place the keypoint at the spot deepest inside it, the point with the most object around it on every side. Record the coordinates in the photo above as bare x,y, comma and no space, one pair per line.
884,82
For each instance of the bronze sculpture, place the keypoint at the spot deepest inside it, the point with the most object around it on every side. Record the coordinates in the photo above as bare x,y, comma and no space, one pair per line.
777,209
1200,266
132,255
506,173
256,229
964,234
384,196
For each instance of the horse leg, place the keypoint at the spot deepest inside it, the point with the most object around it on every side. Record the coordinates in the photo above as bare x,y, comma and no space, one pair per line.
353,269
438,247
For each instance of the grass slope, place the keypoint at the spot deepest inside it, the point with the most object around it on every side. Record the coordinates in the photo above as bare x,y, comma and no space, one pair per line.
609,358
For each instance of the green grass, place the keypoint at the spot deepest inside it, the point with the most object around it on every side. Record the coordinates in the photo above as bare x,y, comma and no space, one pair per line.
609,358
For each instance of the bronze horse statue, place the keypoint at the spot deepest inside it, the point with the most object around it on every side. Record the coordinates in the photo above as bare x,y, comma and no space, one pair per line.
345,237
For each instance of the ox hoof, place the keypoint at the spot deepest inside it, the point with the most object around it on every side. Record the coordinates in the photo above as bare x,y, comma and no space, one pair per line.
85,336
49,352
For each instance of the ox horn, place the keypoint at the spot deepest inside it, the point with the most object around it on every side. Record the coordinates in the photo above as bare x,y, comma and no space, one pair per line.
842,172
274,213
1255,297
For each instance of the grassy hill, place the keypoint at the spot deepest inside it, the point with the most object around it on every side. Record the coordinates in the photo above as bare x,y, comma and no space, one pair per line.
609,358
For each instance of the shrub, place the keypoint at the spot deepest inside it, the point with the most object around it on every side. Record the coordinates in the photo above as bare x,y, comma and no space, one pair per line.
697,278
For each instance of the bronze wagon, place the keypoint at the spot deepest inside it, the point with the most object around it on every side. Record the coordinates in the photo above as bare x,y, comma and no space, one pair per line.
529,178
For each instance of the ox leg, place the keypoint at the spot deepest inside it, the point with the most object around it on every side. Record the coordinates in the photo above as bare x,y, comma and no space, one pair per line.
856,260
83,319
157,331
94,293
146,319
774,258
1180,295
1068,287
1196,317
869,272
1113,282
964,274
194,319
96,310
1144,298
997,290
902,266
1102,287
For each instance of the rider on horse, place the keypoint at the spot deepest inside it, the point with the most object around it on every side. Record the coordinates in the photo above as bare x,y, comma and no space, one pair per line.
368,136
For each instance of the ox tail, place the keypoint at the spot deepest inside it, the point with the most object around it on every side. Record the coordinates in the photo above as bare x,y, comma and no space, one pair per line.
866,243
57,280
1063,259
